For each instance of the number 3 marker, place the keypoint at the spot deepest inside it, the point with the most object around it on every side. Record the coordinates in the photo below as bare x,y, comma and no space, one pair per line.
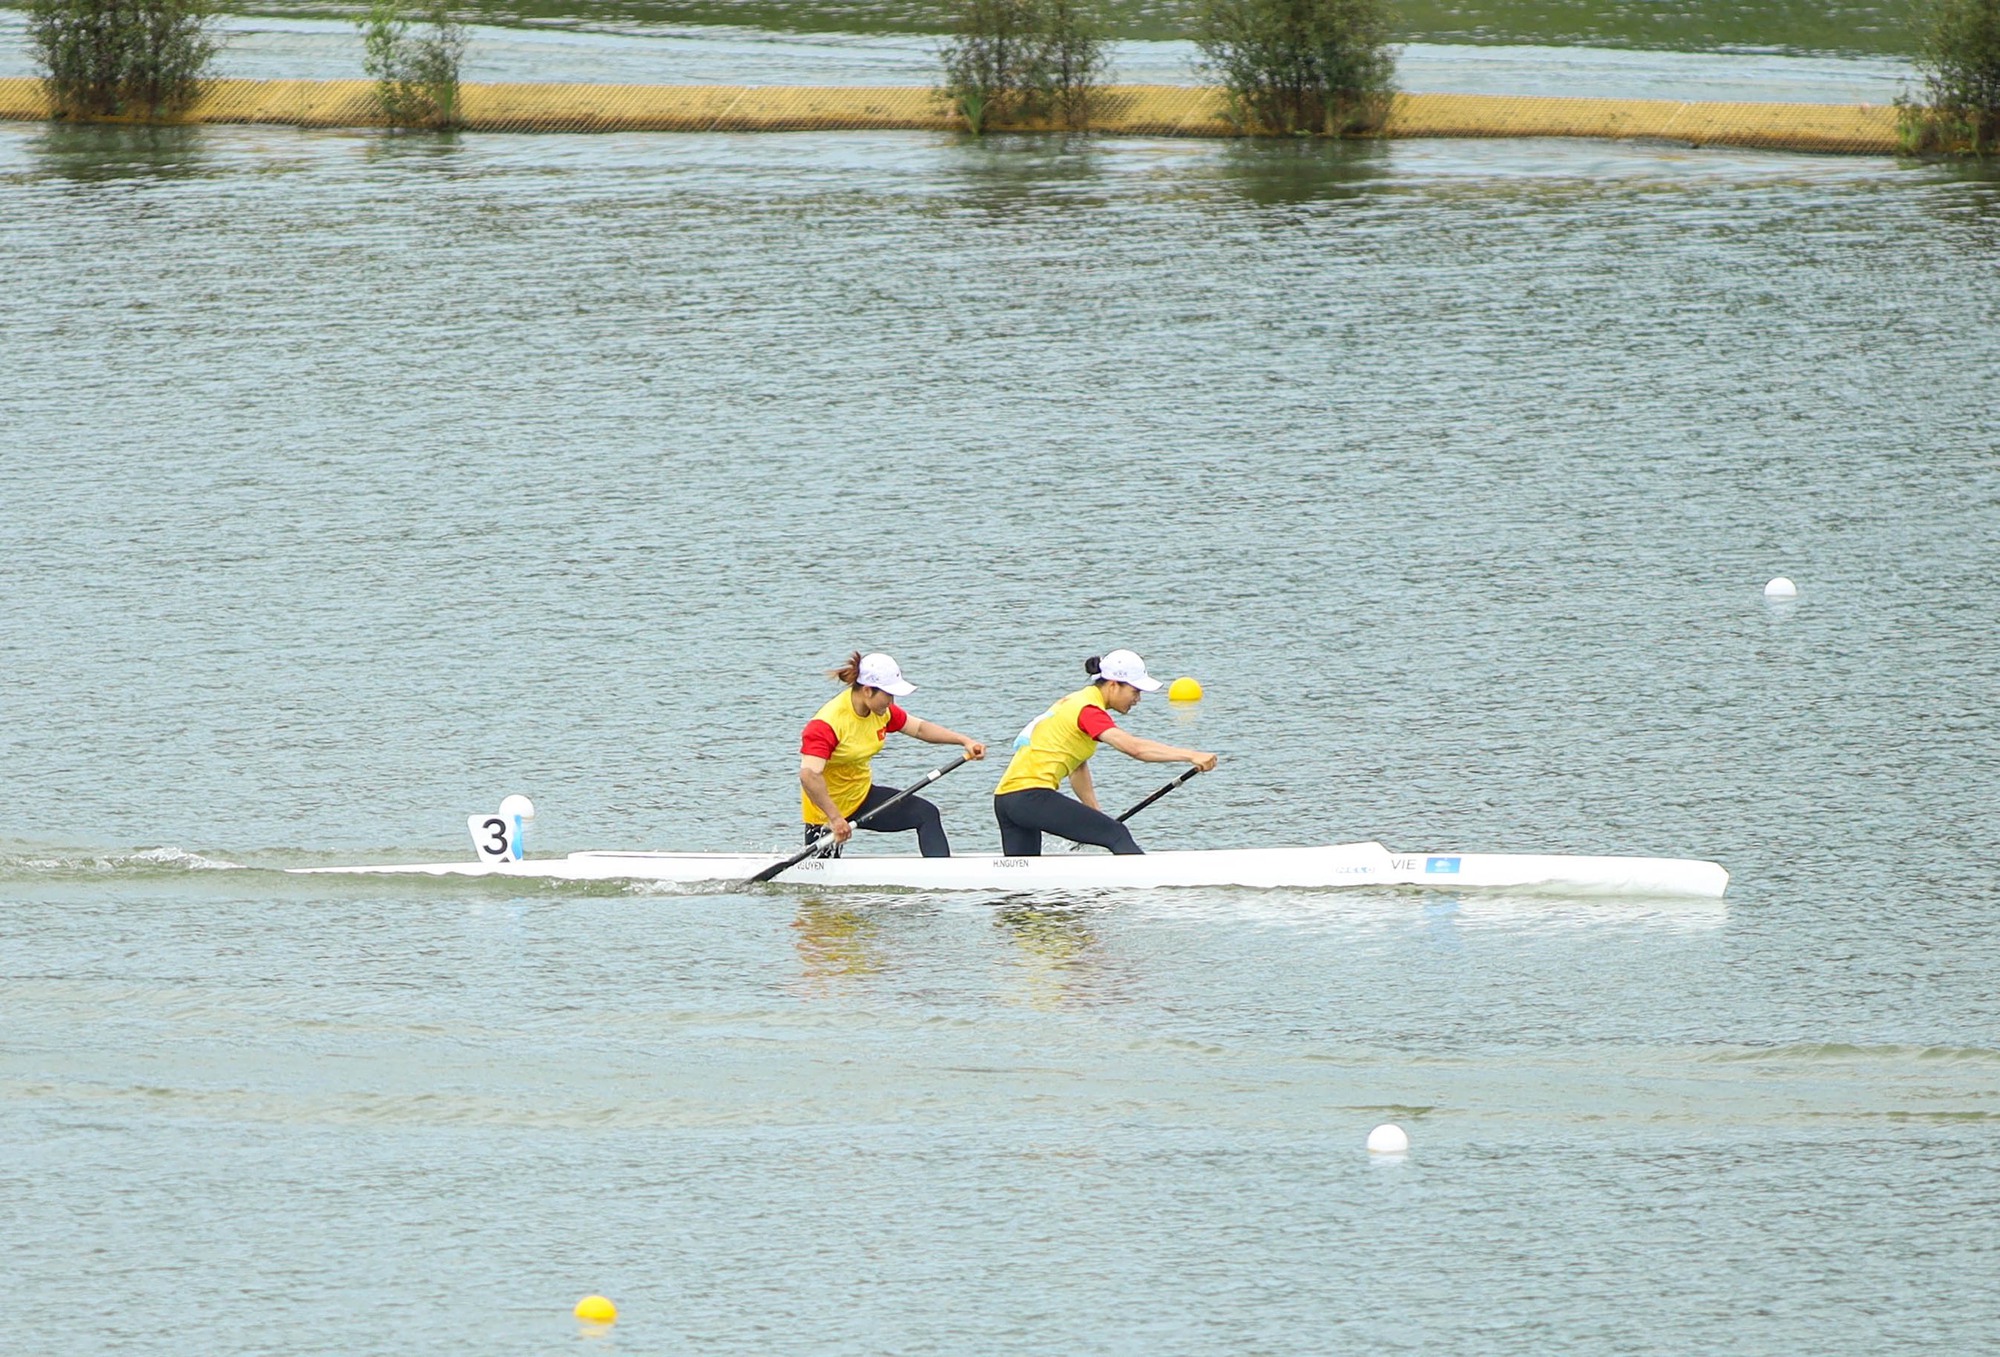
492,838
502,837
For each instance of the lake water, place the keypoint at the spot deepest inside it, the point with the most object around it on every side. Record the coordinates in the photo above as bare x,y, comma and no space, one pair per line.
349,482
292,47
1843,27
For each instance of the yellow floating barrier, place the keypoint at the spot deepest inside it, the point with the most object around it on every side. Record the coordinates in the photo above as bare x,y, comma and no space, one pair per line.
1133,110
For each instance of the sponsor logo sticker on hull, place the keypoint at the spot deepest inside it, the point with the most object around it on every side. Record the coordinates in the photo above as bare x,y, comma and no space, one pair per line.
1442,866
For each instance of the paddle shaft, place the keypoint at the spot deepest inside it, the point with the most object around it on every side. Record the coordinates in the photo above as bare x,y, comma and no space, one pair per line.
1182,780
1179,781
821,845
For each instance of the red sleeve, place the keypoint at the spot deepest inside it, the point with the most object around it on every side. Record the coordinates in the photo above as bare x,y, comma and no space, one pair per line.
898,718
1094,721
818,740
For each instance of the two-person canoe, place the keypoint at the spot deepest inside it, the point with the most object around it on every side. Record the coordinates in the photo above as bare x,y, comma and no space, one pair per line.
1332,866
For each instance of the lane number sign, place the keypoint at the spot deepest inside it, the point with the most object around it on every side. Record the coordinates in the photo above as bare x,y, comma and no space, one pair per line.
495,837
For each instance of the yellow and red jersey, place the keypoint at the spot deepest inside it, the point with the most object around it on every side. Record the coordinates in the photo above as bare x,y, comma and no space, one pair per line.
1054,744
847,742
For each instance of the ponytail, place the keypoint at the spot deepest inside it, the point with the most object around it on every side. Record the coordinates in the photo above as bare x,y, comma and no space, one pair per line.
849,673
1090,667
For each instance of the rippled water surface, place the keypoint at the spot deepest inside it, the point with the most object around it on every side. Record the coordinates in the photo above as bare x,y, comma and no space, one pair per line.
264,47
1826,26
348,482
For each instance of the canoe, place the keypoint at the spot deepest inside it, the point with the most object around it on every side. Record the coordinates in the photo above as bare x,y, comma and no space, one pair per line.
1344,865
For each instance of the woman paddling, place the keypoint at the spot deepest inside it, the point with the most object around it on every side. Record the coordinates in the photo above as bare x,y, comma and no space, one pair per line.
834,782
1058,744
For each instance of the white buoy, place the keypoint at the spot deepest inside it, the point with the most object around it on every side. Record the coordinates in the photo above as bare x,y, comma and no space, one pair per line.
517,807
1388,1138
1781,588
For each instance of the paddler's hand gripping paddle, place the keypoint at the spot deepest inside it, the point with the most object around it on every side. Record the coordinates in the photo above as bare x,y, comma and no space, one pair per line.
825,843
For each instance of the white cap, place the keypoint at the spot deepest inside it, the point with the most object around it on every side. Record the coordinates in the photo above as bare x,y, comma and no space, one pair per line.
1122,666
879,671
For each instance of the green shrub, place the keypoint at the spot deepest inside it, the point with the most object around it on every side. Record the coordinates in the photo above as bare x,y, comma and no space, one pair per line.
1958,56
121,58
1300,66
1070,64
416,75
1013,61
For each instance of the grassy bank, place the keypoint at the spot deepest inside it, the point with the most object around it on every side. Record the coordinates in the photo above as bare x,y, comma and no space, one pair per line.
1153,110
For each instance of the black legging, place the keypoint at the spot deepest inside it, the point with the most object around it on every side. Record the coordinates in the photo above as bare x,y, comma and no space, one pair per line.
912,812
1025,814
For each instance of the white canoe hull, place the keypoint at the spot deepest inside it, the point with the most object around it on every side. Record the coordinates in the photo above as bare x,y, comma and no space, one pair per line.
1336,865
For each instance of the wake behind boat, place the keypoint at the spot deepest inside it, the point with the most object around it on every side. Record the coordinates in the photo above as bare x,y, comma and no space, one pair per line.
1332,866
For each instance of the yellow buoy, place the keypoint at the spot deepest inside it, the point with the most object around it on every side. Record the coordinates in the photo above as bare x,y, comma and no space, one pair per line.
1184,690
596,1310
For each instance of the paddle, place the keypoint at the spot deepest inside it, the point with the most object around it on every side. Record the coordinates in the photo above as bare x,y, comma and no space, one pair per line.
1183,778
825,842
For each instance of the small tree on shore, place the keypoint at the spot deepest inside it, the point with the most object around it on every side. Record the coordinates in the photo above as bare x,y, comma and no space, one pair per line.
1012,60
989,62
1958,56
1070,63
1300,66
415,74
121,58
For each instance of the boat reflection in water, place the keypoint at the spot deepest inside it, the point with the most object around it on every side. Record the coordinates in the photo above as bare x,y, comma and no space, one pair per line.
1058,954
836,942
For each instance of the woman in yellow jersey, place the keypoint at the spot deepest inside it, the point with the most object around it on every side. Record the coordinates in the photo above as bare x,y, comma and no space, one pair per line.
834,783
1058,744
